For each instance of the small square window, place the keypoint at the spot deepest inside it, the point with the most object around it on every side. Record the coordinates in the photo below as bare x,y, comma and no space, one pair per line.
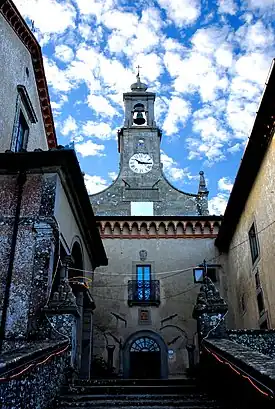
254,246
22,134
142,208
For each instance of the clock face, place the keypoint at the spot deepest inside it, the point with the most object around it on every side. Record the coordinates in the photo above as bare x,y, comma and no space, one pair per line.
141,163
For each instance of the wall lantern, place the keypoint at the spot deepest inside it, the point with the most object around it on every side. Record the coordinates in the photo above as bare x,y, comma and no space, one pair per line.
198,273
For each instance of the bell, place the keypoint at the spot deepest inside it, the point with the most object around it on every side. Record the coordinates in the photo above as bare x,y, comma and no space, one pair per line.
139,120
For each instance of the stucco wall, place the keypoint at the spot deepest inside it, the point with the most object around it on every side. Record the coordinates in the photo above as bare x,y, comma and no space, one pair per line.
14,59
111,293
260,209
68,223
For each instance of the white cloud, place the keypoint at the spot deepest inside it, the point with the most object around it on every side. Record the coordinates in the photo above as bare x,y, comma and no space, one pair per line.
89,148
98,130
69,126
212,137
255,37
178,112
181,12
151,66
225,184
95,184
64,53
195,73
56,77
101,105
94,7
113,175
260,4
235,148
173,170
217,204
227,7
50,16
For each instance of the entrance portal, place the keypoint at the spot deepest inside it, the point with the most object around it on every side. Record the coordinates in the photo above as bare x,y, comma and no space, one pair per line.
145,359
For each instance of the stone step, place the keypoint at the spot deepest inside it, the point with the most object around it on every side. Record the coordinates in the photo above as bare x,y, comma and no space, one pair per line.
122,382
131,389
185,405
135,400
158,399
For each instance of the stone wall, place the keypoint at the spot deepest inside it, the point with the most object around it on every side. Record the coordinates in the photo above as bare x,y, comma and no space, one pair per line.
259,340
36,247
238,266
38,386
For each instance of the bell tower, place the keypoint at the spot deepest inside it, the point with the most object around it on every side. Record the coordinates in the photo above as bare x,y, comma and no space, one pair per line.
139,139
139,106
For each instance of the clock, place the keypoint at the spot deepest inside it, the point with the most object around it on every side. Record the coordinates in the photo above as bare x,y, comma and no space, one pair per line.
141,163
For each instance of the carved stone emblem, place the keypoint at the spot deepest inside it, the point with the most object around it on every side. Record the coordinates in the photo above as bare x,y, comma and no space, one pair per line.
143,255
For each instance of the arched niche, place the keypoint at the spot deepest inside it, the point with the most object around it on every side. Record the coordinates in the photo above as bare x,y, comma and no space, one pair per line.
116,229
171,229
180,229
152,229
126,229
198,228
143,229
189,228
216,228
107,229
135,229
162,229
207,228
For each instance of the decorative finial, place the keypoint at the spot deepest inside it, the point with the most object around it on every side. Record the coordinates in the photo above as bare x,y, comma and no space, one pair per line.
202,184
138,68
138,86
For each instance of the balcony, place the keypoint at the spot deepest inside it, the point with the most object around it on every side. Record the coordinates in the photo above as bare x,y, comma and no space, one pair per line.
143,292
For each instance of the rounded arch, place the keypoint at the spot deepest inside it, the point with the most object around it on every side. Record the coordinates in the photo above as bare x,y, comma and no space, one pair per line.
153,229
126,229
108,229
154,338
117,229
207,228
198,228
77,267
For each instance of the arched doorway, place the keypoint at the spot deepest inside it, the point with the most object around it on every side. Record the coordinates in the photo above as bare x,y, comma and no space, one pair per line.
145,356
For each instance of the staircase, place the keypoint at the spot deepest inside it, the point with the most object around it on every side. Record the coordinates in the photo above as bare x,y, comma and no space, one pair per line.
142,394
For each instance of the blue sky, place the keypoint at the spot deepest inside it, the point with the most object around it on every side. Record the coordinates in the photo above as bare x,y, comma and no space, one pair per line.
207,61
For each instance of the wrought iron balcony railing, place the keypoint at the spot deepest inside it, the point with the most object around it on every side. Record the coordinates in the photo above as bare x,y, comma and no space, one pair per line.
143,292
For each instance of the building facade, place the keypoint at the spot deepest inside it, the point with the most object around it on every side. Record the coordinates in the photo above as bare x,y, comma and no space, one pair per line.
48,232
154,234
246,238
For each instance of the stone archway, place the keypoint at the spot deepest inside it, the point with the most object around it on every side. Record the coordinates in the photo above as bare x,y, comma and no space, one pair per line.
145,356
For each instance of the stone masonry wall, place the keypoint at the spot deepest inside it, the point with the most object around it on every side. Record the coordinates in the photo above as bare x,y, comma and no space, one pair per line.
259,340
242,292
37,387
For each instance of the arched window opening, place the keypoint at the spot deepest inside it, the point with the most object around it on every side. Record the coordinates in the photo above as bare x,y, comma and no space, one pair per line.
144,344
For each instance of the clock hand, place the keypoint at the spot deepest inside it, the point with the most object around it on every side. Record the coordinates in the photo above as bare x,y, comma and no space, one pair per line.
143,163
